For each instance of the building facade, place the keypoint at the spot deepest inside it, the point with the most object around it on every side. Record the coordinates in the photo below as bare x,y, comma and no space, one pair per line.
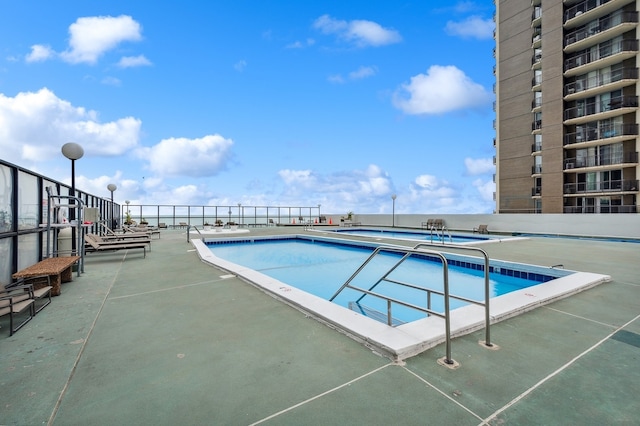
567,110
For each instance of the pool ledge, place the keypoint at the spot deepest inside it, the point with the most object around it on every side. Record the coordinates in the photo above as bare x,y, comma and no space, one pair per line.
413,338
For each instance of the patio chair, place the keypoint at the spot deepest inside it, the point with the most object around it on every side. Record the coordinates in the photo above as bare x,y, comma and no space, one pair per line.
481,229
39,287
15,302
95,243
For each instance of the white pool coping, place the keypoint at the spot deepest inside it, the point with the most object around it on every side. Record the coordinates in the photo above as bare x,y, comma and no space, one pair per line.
409,339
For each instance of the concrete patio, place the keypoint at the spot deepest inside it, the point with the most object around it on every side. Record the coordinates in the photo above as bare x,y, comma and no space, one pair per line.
171,340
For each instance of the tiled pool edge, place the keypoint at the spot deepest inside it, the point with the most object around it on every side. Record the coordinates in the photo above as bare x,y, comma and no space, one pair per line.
413,338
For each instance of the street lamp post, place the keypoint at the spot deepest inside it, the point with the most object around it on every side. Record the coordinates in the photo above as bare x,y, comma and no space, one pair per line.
393,211
73,152
112,187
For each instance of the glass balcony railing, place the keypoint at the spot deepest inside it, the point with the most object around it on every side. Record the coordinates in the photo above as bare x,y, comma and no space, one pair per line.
582,7
582,84
601,209
590,108
600,160
603,24
587,134
607,186
603,51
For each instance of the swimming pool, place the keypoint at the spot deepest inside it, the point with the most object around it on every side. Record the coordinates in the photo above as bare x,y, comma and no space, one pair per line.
435,236
300,263
416,336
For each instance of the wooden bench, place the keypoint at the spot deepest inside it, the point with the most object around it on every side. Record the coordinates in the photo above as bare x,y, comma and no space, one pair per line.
59,270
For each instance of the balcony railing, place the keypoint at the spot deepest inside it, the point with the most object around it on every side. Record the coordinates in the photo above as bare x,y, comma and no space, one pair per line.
600,209
536,103
604,24
536,147
608,186
536,191
536,80
604,132
600,160
582,7
581,85
536,125
590,108
537,169
604,51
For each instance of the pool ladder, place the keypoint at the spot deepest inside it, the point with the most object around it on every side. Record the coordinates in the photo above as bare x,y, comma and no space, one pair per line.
441,236
419,250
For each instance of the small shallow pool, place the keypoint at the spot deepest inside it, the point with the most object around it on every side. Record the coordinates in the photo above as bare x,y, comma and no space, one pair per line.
435,236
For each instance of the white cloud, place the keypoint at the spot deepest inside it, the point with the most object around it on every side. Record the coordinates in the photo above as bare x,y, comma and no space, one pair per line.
485,188
111,81
205,156
40,53
442,89
336,78
240,65
301,44
33,127
91,37
362,33
133,61
362,72
363,188
472,27
479,166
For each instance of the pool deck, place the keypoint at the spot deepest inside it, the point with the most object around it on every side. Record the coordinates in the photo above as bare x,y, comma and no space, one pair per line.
168,339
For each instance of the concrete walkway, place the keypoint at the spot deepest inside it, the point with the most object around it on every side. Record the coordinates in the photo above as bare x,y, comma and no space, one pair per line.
170,340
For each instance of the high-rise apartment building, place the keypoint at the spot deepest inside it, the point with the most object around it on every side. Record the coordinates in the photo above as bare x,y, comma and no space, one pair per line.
567,106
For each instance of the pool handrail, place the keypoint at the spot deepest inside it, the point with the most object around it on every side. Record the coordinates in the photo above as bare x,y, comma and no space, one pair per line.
407,253
487,288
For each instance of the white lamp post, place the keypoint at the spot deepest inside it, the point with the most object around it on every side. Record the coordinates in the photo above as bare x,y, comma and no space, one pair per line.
393,211
112,187
73,152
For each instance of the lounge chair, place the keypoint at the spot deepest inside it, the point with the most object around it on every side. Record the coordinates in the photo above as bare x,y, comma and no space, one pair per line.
162,225
271,223
96,243
15,301
481,229
40,286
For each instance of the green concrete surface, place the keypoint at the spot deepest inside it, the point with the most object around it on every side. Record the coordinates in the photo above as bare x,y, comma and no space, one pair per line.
171,340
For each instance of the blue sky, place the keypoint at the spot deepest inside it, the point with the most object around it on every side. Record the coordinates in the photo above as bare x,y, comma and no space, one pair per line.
266,102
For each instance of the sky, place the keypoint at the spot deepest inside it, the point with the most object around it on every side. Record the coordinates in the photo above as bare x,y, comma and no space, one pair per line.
265,103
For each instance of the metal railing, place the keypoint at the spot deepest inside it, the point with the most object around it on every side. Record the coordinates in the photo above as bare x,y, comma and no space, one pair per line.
419,250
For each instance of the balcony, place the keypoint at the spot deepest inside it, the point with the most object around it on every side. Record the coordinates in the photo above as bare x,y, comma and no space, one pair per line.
589,10
600,160
588,135
536,147
600,209
591,108
536,103
536,60
606,28
600,57
608,186
537,169
536,81
536,125
607,82
536,191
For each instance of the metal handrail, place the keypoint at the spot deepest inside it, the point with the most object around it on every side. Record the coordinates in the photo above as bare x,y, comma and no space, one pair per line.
407,253
487,288
189,228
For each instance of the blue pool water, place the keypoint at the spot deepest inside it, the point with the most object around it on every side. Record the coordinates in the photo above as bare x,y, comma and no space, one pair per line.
320,268
409,235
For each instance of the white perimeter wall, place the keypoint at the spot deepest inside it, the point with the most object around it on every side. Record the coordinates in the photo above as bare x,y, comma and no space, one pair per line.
597,225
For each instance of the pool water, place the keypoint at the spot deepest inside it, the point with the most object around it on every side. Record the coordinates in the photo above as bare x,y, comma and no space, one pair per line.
408,235
321,268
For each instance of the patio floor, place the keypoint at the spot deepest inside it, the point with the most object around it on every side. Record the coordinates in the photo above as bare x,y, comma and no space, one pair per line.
171,340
